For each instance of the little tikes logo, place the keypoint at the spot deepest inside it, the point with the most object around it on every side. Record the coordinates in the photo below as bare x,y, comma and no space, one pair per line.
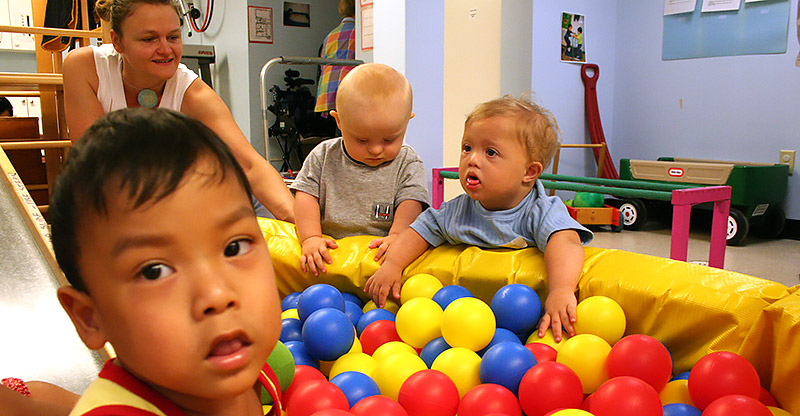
675,172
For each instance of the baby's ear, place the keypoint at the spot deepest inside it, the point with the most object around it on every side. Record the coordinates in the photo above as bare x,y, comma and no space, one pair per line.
533,171
83,313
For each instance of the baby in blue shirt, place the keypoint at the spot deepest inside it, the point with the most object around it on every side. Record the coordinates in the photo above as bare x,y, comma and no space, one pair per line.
507,143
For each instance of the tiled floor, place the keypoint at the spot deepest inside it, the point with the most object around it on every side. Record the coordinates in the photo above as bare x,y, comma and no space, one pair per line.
777,260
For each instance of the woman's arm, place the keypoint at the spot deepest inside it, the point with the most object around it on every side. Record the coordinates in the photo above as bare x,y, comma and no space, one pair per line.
202,103
81,105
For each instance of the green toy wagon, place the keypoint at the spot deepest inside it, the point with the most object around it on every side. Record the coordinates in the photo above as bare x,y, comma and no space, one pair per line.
758,190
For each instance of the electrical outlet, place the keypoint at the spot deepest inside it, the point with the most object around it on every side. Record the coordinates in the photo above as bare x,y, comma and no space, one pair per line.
787,158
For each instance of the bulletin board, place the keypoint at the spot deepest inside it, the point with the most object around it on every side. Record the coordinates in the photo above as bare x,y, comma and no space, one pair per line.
759,27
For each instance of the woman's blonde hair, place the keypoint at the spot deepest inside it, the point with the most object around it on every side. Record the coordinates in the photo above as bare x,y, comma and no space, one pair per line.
534,125
116,11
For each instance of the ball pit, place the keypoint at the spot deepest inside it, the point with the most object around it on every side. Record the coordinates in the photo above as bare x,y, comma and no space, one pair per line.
419,320
625,396
505,364
681,409
355,386
317,297
548,386
448,294
468,323
548,339
394,370
643,357
290,301
429,393
432,349
327,334
378,405
302,375
486,399
291,330
542,352
391,348
371,316
586,354
721,374
301,355
601,316
377,334
353,311
500,335
736,404
517,308
357,361
316,395
462,365
676,391
419,285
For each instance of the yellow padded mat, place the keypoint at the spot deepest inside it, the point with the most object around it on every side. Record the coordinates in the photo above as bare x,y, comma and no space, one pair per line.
692,309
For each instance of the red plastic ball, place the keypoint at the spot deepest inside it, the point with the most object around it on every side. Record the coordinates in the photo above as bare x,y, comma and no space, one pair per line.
487,399
302,375
377,334
316,395
378,405
548,386
721,374
625,396
332,412
643,357
542,351
736,404
767,398
429,393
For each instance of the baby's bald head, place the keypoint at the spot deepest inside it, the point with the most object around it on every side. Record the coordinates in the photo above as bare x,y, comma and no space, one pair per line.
374,85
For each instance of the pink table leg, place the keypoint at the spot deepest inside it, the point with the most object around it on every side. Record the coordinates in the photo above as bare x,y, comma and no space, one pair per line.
682,201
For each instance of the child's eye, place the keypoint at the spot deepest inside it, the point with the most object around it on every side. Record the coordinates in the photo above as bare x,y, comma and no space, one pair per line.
156,271
466,148
491,152
238,247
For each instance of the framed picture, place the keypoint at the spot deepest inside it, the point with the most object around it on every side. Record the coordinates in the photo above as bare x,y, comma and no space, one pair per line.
573,47
259,24
296,14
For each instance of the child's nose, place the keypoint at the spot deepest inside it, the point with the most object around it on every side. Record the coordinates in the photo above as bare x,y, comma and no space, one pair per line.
214,294
376,149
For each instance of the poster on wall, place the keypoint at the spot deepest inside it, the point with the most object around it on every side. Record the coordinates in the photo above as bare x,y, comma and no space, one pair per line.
679,6
259,24
366,25
296,14
572,40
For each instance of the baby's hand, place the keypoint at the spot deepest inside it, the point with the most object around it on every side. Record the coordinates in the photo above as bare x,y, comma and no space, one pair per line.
382,244
559,310
384,281
315,254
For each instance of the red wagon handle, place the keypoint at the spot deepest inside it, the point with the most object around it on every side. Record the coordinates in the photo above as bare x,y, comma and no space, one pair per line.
593,119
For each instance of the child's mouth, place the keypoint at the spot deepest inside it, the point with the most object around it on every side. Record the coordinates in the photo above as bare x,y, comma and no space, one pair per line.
228,345
472,181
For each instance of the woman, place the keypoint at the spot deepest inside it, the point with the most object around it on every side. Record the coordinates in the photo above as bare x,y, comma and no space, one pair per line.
142,68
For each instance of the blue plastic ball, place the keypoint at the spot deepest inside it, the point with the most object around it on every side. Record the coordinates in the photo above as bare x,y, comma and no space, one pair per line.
517,308
372,316
328,334
290,301
353,298
500,335
682,376
291,330
450,293
301,355
681,409
505,364
316,297
432,349
356,386
353,311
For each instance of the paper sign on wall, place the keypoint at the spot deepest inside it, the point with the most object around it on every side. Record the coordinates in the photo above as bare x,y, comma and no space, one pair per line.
259,24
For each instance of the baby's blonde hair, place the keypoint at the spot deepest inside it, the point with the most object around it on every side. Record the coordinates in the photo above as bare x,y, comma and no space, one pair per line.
374,83
534,125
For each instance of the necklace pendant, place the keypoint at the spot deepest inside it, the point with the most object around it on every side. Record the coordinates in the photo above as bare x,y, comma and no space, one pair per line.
147,98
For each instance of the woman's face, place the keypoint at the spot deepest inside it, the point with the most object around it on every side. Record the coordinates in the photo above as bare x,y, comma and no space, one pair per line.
150,43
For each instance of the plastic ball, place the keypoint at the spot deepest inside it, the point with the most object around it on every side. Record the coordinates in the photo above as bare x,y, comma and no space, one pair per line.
586,355
569,412
542,352
282,363
462,365
626,396
419,285
394,370
355,386
505,364
777,411
302,375
588,200
301,355
468,323
332,412
500,335
391,306
371,316
378,405
316,395
643,357
720,374
429,393
319,296
377,334
681,376
736,404
290,301
446,295
328,334
353,362
676,391
356,344
419,320
548,386
290,314
390,348
767,398
291,330
349,297
681,409
432,350
548,339
486,399
600,316
353,312
517,308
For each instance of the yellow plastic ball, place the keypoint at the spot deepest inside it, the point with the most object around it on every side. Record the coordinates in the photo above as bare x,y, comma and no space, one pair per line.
586,355
468,323
601,316
676,391
356,346
548,338
357,361
390,373
391,306
419,285
462,365
391,348
571,412
290,313
777,411
418,321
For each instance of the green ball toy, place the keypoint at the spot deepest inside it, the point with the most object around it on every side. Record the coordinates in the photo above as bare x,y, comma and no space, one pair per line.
588,200
282,363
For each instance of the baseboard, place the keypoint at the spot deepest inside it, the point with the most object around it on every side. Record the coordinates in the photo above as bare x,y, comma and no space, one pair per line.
791,230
